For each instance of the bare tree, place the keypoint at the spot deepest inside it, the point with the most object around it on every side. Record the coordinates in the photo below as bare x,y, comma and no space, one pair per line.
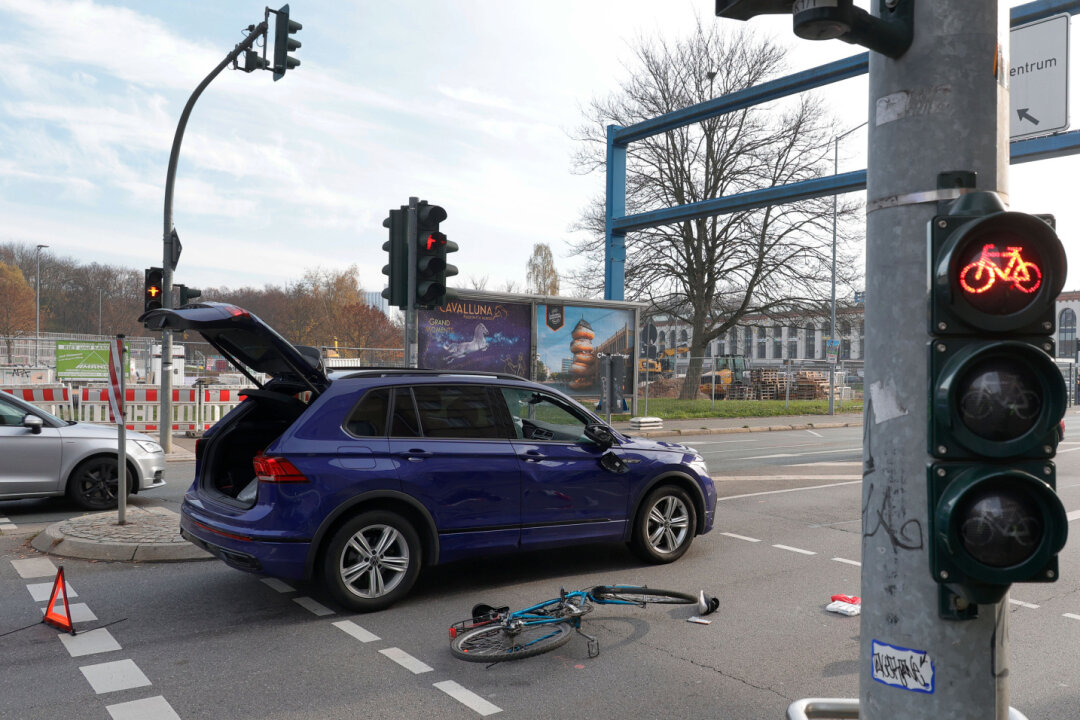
478,283
719,272
541,278
17,310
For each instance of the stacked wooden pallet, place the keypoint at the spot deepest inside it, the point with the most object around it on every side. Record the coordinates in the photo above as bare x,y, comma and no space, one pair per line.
810,385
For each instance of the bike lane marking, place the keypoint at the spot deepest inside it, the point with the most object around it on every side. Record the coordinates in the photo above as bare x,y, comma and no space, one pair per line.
114,676
156,707
278,585
351,628
6,524
315,608
34,568
468,698
740,537
795,549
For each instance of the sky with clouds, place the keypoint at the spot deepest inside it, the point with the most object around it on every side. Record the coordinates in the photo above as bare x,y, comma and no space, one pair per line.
470,104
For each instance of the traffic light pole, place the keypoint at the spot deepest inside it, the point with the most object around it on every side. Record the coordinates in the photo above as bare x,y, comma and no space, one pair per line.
942,106
410,311
170,242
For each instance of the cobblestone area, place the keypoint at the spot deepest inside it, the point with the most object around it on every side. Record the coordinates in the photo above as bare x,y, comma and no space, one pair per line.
149,525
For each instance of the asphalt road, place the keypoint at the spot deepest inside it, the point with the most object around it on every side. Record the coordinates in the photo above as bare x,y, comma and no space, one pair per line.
211,642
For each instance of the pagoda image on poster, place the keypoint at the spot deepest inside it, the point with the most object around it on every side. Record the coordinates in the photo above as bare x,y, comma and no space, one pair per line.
570,340
476,335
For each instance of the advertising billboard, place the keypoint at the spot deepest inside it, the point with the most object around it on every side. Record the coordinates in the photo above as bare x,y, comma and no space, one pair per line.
479,335
89,361
570,339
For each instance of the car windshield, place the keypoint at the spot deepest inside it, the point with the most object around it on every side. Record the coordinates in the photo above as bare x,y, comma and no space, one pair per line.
17,412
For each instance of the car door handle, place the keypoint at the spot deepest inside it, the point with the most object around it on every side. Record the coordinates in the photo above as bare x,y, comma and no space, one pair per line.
531,456
415,455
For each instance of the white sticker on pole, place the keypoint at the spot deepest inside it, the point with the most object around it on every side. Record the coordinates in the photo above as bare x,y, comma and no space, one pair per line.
903,668
116,363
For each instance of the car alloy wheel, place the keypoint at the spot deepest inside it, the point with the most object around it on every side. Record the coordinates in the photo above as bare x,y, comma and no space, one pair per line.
665,526
373,560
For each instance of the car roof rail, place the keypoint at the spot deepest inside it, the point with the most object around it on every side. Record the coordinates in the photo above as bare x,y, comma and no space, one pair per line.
399,371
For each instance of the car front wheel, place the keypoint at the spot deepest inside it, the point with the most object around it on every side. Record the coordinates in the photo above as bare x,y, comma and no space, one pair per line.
372,561
665,525
93,484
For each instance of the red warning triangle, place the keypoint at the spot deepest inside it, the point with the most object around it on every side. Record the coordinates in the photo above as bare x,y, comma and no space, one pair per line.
51,616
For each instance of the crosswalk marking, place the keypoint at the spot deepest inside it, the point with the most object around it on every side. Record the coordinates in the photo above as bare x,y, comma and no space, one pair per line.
34,567
41,591
114,676
89,643
156,707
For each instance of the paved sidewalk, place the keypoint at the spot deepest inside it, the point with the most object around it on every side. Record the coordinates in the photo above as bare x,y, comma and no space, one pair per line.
152,534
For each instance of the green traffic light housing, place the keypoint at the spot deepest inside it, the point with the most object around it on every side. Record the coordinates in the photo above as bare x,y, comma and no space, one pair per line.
991,526
397,269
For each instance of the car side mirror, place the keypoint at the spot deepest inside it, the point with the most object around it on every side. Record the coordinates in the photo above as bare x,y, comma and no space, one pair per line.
600,435
34,423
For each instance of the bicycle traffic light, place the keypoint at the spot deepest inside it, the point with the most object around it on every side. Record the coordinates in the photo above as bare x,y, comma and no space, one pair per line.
432,248
283,44
996,401
152,288
397,270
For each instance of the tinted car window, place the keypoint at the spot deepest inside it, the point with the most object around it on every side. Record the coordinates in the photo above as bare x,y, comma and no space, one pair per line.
368,418
456,411
539,416
404,422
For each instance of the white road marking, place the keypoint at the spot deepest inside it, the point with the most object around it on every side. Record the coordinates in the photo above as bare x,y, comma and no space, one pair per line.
156,707
816,452
89,643
1062,452
80,612
795,549
278,585
468,698
1071,616
356,631
1021,603
815,434
787,490
856,563
740,537
406,660
724,442
34,567
1073,515
838,463
312,606
113,676
40,591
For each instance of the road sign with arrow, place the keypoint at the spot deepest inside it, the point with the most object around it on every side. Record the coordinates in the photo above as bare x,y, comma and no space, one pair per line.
1039,78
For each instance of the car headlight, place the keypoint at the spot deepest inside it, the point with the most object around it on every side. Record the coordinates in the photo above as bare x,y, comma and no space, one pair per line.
698,463
148,446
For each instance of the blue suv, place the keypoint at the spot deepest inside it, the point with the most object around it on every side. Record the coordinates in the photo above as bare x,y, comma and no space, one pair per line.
360,478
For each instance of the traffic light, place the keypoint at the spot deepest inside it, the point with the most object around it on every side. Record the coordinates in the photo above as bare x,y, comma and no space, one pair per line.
283,44
996,402
185,294
432,248
397,271
152,288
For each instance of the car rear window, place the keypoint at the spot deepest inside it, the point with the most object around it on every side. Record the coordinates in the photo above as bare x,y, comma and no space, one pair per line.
456,411
368,418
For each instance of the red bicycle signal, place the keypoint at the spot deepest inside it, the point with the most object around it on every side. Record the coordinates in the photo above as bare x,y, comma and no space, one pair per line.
979,276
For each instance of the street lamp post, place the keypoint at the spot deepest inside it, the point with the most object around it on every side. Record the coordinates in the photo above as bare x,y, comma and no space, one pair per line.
832,314
37,304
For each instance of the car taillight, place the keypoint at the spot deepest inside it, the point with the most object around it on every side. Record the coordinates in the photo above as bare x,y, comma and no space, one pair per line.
198,449
276,470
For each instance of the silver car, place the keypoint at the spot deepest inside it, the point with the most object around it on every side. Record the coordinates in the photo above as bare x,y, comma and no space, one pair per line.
42,455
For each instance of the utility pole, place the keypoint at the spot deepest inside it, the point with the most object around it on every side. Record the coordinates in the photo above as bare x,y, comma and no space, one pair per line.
942,106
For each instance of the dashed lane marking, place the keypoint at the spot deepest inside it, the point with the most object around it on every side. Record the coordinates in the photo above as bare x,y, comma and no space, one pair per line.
41,591
468,698
351,628
34,567
406,660
313,607
278,585
114,676
783,477
1071,616
802,454
89,643
815,434
156,707
795,549
740,537
856,563
1021,603
6,524
1073,515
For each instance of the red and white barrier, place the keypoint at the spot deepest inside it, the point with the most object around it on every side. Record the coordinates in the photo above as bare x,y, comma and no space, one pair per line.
55,399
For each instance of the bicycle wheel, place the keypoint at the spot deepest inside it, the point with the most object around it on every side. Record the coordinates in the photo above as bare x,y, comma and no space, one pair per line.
499,643
1027,277
640,595
977,277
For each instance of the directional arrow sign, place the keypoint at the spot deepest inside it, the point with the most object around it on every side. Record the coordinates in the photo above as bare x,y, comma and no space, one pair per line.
1039,78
